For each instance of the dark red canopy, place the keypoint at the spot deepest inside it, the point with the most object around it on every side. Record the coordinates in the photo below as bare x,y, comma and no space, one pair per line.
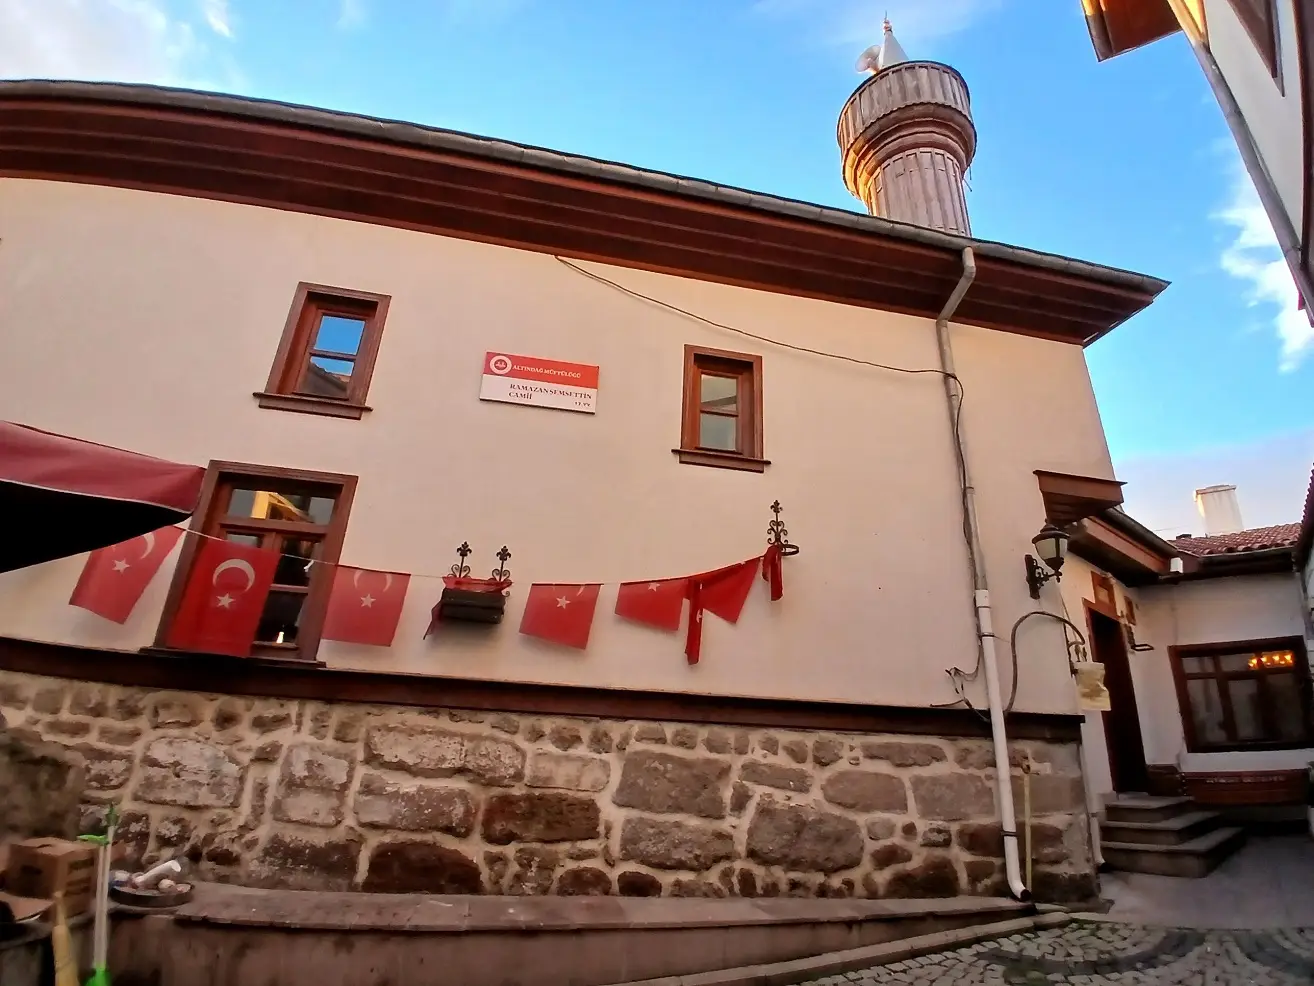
61,496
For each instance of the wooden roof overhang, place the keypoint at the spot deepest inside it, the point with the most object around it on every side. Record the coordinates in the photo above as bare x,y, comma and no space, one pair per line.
395,174
1069,499
1117,26
1112,541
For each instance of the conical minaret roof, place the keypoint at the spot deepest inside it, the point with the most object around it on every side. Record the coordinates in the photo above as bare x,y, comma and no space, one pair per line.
892,52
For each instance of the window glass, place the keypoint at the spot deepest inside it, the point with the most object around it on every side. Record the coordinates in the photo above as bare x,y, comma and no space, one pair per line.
1284,697
294,562
1197,665
1234,662
327,376
269,505
718,393
281,620
1206,710
718,431
339,334
1247,713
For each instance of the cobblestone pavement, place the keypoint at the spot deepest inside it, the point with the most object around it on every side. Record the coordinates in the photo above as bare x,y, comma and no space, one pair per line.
1109,954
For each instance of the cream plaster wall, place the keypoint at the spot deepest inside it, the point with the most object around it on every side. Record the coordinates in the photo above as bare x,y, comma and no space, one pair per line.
146,321
1271,111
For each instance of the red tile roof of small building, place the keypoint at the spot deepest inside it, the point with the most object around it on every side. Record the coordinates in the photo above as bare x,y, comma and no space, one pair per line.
1255,539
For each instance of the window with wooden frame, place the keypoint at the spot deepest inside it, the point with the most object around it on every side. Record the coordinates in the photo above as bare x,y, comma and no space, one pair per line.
302,516
326,356
721,419
1250,694
1102,593
1259,17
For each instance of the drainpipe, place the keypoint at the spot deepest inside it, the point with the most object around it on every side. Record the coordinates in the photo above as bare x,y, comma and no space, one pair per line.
980,589
1288,239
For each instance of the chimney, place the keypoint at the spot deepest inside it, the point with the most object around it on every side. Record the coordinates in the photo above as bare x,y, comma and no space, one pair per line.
906,138
1219,507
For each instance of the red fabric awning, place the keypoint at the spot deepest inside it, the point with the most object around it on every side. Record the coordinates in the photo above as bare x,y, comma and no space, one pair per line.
61,496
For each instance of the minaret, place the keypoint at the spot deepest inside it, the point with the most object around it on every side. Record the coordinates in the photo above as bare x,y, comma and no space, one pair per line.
907,138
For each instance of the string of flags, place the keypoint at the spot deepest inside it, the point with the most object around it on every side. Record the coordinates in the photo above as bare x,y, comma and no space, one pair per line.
224,597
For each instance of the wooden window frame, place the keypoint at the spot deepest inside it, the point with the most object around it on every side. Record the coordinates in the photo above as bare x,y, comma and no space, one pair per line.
219,478
1100,585
1260,19
309,302
748,368
1301,670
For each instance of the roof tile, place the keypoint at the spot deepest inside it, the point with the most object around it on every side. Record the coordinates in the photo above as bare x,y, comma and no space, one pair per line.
1255,539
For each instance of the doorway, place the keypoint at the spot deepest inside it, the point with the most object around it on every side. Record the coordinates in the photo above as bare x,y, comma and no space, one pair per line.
1122,723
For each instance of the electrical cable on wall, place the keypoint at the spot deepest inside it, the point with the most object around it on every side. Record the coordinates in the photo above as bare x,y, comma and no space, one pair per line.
956,675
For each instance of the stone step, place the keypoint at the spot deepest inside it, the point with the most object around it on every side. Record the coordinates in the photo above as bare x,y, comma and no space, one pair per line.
1143,808
1192,859
1169,832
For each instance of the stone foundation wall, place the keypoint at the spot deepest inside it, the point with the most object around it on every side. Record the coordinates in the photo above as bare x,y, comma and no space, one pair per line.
321,795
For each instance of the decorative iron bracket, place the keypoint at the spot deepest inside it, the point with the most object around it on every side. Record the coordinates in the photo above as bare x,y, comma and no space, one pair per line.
778,534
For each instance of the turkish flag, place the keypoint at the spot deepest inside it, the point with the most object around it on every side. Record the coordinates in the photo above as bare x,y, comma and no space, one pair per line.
365,606
722,592
114,578
656,604
560,613
772,571
225,594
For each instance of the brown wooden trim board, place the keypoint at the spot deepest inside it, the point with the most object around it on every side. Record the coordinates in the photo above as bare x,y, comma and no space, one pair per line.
334,164
292,680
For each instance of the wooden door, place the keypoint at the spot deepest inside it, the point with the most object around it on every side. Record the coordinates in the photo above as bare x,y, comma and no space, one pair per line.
1122,723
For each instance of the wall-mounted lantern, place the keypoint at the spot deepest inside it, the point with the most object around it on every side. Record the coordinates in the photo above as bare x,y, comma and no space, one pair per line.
1052,546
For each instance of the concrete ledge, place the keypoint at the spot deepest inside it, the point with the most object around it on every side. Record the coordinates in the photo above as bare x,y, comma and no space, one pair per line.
856,959
306,910
234,936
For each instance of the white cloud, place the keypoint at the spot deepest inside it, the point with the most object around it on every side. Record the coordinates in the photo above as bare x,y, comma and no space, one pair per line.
1253,256
216,15
858,22
106,40
351,13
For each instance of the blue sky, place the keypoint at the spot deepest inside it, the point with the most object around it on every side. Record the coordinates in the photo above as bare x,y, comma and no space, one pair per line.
1126,163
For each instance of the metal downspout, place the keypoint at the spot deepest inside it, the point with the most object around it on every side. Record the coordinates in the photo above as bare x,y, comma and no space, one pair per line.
1287,237
980,589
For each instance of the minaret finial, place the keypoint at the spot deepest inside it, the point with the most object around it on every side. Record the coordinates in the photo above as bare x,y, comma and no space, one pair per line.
888,28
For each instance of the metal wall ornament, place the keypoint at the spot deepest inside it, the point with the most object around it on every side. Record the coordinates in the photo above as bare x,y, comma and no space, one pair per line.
466,599
778,534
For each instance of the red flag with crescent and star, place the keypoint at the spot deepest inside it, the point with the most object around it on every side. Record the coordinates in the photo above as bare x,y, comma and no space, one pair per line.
114,578
656,604
722,592
365,606
225,595
560,613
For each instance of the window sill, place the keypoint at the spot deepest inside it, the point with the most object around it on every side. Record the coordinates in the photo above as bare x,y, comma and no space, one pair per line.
260,659
310,405
720,460
1304,744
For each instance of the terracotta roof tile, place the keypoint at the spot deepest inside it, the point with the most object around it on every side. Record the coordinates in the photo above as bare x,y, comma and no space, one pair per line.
1255,539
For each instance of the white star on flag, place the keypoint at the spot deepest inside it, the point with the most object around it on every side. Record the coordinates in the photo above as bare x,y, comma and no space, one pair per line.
653,587
563,602
225,601
120,565
367,600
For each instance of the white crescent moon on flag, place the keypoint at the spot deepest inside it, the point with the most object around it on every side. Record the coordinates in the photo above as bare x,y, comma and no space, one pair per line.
241,565
149,538
387,581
